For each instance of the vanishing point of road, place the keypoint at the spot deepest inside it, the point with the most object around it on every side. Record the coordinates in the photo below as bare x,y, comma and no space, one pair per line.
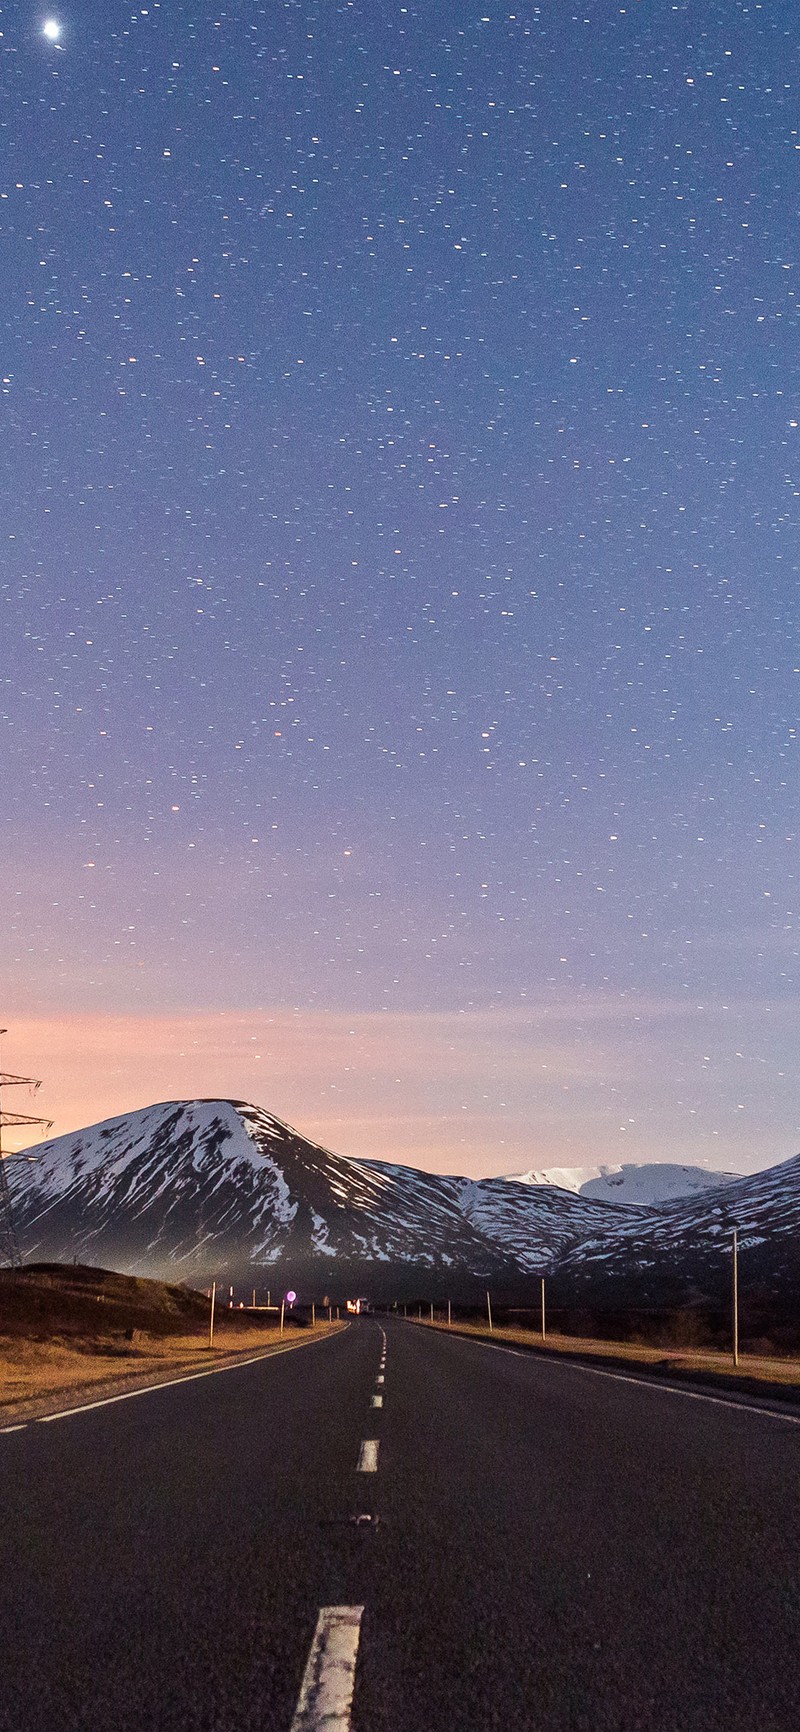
397,1530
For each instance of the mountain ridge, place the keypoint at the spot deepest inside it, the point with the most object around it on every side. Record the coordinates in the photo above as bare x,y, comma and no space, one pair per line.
192,1186
205,1189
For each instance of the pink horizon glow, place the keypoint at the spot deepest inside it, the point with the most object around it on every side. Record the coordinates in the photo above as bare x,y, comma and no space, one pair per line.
475,1093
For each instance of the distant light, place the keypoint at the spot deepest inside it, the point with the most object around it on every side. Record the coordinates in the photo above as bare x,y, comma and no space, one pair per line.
51,29
290,1297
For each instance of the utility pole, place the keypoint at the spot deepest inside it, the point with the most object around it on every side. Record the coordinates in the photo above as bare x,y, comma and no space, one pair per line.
7,1229
735,1296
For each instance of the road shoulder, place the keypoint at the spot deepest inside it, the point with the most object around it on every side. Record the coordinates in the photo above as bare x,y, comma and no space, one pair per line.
167,1369
670,1369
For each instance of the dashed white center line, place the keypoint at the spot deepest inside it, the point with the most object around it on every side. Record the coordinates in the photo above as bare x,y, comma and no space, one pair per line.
368,1456
380,1377
326,1694
377,1400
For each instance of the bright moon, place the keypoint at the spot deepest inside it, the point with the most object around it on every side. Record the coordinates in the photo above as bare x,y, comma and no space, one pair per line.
51,29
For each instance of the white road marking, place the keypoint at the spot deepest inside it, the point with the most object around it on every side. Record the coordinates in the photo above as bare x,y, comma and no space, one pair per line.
326,1694
691,1394
380,1377
642,1382
377,1400
152,1388
5,1429
368,1456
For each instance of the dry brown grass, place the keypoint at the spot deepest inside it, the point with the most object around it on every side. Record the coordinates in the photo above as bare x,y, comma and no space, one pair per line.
39,1377
758,1367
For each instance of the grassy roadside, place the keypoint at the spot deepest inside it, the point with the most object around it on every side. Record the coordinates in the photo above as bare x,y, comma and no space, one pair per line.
755,1372
38,1377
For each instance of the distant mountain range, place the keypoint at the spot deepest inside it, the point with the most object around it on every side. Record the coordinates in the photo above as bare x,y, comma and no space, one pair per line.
656,1182
192,1190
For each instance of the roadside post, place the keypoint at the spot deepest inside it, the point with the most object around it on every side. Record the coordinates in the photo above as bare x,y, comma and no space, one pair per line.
449,1315
313,1315
544,1318
489,1309
283,1308
735,1296
211,1318
431,1310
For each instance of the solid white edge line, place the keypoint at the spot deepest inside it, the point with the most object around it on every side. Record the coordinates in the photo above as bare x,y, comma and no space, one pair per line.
5,1429
368,1456
172,1382
326,1693
642,1382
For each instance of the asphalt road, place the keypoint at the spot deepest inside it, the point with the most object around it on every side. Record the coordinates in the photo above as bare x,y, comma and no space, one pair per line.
556,1550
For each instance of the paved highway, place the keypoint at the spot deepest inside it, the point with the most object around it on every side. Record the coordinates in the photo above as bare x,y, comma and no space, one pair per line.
556,1550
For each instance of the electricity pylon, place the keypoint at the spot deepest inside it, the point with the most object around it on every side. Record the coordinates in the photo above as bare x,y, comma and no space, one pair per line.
8,1233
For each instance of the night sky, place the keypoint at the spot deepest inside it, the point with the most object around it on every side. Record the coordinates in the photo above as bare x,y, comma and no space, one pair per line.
399,589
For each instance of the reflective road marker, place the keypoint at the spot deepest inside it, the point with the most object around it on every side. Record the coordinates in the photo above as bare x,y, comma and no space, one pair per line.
368,1456
326,1694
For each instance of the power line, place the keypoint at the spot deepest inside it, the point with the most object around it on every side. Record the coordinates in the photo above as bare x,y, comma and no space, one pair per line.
8,1232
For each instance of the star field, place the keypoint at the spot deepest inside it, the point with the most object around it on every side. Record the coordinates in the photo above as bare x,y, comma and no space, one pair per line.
399,588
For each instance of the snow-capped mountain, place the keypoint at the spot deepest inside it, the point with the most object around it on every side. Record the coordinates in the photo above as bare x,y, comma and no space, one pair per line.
195,1189
191,1190
645,1185
687,1245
